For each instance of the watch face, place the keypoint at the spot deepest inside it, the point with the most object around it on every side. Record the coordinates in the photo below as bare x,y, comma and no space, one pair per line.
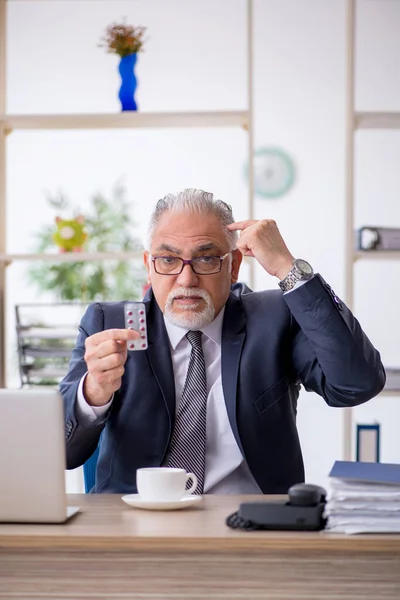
304,267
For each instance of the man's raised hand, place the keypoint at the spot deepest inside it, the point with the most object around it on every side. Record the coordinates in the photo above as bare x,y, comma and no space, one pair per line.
262,240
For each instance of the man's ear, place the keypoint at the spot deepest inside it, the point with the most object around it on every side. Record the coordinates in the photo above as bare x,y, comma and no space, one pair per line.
147,264
237,257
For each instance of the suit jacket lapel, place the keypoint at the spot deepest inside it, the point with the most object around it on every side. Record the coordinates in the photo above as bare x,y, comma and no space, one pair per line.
159,354
233,336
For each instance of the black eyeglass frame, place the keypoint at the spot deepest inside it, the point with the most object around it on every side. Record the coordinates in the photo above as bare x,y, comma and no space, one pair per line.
189,262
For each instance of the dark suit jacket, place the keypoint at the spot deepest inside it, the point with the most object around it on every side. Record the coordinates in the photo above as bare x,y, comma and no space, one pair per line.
271,343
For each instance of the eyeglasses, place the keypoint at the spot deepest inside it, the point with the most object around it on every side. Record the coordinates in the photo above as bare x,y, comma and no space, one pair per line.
201,265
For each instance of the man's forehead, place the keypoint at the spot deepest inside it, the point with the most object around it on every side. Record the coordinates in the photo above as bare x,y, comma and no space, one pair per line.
183,231
195,222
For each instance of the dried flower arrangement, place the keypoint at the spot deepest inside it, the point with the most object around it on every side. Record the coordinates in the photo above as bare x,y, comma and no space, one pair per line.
123,39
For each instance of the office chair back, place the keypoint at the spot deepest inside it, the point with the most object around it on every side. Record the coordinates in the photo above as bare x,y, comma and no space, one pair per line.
89,468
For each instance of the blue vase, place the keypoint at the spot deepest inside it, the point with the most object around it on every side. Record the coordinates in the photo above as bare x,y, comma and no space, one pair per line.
128,86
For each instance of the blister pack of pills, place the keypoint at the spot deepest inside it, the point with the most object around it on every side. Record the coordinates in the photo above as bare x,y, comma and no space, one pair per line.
135,318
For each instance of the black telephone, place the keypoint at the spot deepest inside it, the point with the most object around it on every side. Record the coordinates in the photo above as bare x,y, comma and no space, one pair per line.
304,511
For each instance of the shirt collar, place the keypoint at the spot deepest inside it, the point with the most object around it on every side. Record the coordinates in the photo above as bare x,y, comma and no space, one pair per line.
213,330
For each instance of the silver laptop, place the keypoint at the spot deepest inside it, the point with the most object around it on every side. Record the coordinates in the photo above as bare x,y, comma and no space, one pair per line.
32,457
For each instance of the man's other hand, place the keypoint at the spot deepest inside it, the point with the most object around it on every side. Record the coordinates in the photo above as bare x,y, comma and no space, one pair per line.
262,240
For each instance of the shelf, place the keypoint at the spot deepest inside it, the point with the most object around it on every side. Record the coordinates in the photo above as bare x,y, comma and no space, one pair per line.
46,373
48,333
127,120
34,352
392,380
377,255
73,256
80,257
377,120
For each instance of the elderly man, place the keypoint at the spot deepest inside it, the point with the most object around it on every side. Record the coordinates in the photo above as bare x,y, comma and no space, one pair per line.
216,390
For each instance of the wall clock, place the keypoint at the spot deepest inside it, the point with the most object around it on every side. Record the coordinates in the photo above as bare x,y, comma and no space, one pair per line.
274,172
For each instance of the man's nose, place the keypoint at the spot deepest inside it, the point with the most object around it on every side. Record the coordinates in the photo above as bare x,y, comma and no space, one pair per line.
187,278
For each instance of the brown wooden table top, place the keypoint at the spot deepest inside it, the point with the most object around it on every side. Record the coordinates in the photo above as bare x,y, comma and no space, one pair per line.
105,522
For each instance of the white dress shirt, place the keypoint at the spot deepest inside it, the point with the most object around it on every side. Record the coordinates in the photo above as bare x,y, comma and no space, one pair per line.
225,472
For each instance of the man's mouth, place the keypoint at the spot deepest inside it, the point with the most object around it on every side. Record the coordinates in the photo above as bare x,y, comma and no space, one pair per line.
188,299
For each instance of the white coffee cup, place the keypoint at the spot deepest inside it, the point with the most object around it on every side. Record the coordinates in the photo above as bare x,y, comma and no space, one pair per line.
163,483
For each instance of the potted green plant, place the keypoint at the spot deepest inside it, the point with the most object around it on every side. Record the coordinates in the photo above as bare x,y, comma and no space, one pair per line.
109,228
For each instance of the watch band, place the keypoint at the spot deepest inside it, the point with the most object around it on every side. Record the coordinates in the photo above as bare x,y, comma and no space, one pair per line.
289,281
296,274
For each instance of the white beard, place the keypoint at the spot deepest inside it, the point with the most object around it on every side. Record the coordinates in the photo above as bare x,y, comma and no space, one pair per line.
192,320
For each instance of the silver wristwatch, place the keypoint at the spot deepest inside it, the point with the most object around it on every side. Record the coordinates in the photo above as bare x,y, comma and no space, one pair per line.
300,271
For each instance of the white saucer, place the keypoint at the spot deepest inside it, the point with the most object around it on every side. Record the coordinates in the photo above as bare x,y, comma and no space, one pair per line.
135,501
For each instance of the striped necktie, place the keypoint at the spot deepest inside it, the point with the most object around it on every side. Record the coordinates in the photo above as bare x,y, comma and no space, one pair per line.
188,444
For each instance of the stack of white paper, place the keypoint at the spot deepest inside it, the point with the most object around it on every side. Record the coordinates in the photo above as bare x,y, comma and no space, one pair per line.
364,499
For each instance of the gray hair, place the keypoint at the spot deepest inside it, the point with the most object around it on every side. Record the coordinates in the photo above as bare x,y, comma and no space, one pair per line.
194,201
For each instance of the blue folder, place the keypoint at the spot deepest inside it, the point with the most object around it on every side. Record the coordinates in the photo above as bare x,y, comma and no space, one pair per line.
370,472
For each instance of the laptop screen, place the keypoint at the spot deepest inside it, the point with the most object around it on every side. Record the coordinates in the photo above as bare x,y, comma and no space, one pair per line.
32,456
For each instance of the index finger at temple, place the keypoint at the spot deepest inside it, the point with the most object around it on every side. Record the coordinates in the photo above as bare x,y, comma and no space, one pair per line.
241,225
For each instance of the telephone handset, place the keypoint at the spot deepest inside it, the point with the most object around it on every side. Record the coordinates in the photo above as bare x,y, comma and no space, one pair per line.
306,494
303,511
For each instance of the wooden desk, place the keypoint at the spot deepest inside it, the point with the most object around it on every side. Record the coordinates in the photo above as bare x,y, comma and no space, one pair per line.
111,551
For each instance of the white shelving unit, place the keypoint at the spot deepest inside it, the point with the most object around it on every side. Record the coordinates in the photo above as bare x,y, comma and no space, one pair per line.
357,121
374,255
71,256
10,123
377,120
127,120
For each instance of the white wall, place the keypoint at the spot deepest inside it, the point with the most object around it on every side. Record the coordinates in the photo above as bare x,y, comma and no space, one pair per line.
195,59
377,202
